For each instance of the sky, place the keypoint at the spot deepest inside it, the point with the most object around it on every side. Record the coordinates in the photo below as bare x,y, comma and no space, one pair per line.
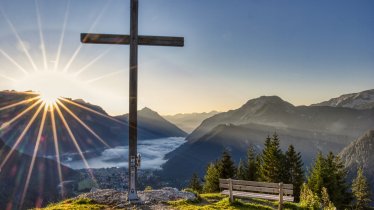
305,51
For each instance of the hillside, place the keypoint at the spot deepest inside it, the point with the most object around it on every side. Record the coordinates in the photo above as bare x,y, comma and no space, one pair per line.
44,180
310,129
360,154
188,122
112,130
152,125
361,100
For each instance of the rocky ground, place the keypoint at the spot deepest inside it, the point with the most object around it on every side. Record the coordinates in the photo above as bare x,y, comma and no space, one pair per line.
150,199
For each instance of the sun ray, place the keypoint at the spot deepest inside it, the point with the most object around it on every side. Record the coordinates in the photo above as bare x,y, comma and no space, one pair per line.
72,58
8,123
84,68
14,62
19,39
62,35
93,111
8,78
18,141
83,124
36,148
57,150
76,52
103,76
75,142
19,103
44,53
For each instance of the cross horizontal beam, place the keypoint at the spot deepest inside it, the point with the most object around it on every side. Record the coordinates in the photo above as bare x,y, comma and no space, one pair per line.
125,40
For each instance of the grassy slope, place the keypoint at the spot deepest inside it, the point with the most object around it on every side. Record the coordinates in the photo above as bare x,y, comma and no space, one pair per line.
75,204
205,202
218,201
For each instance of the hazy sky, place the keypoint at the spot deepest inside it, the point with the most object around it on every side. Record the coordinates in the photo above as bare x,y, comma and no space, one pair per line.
305,51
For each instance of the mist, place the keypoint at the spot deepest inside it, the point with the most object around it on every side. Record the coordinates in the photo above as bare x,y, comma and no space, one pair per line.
152,151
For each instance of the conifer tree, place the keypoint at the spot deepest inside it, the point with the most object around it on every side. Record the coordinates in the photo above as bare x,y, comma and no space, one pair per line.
272,161
211,178
294,172
242,171
195,183
252,164
329,172
315,180
226,167
361,191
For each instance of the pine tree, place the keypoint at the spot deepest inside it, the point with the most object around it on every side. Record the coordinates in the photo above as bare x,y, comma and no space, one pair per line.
335,181
361,191
329,172
326,203
272,161
315,180
226,166
251,164
211,177
294,172
195,183
242,171
308,199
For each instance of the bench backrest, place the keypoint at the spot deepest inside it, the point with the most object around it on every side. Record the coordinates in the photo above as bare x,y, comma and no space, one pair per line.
252,186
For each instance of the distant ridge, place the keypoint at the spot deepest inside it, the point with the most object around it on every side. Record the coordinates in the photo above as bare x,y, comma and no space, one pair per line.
360,100
189,121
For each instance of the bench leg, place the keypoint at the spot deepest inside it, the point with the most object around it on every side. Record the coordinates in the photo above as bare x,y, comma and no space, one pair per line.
230,191
280,207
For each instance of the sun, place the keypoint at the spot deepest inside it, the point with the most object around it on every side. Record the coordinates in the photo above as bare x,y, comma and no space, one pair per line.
49,98
50,85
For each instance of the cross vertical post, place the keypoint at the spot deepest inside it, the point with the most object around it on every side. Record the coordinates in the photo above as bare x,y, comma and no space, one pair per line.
134,39
133,100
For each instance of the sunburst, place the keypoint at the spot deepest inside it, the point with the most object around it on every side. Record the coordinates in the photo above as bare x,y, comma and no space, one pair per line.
49,84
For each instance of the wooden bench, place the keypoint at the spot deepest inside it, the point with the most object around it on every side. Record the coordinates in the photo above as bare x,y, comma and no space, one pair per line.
250,189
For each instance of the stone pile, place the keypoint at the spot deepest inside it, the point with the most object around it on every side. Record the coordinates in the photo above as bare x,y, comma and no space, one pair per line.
149,199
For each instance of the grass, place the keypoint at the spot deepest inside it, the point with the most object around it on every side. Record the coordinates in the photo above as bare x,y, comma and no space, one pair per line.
75,204
216,201
207,201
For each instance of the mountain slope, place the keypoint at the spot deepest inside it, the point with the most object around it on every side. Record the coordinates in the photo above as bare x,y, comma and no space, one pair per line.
188,122
360,154
44,181
273,111
152,125
309,129
112,130
361,100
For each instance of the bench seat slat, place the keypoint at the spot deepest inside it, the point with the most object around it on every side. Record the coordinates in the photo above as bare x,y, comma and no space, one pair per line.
261,189
240,194
256,184
256,189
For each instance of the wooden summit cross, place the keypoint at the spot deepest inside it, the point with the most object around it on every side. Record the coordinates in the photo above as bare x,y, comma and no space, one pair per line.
133,40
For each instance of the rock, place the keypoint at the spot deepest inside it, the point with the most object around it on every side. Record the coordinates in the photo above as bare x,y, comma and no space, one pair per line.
149,199
164,195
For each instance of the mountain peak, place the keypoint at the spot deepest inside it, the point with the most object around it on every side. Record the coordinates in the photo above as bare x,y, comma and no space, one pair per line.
266,101
148,112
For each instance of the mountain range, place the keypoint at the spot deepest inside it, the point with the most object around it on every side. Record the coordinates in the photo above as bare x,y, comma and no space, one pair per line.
361,100
189,121
112,130
309,128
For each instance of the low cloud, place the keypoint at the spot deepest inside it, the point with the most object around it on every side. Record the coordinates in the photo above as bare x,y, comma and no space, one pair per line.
152,152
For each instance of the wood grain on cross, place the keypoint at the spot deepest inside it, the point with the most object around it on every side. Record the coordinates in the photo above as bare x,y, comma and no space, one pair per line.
133,40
